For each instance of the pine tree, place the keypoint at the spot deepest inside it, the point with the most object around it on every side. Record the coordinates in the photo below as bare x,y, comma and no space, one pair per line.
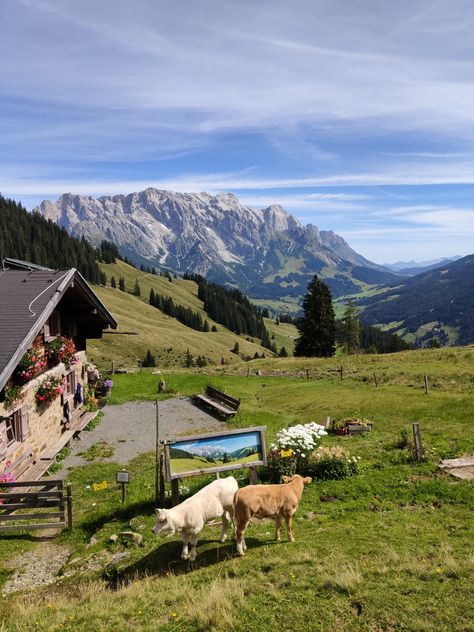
136,289
149,359
112,282
317,327
188,359
122,284
351,323
283,353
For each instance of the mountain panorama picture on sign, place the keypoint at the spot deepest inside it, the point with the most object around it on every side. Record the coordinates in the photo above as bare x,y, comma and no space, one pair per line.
213,453
236,269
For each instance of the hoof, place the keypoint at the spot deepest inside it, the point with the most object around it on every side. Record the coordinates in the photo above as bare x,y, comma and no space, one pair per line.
223,539
185,557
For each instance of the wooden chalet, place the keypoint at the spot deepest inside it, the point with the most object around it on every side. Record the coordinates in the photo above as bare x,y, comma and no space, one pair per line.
46,316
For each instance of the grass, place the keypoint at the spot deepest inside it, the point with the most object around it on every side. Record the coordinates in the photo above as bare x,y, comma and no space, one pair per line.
392,551
100,450
143,327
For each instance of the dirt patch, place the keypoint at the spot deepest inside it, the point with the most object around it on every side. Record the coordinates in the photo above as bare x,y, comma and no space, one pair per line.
39,567
129,429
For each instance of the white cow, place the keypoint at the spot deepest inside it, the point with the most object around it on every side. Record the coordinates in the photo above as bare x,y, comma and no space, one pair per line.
189,517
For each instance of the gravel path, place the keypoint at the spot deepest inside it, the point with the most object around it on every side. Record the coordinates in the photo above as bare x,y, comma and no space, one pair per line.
130,428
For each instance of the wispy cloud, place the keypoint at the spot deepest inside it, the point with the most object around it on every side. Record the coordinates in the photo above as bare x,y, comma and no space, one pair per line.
329,108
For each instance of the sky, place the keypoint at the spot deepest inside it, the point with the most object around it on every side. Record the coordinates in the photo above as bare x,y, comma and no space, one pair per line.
356,116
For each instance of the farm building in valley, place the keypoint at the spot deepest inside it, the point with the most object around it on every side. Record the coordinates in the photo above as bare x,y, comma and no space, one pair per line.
46,317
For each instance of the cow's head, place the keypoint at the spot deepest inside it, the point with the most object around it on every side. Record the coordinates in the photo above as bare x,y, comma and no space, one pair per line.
163,524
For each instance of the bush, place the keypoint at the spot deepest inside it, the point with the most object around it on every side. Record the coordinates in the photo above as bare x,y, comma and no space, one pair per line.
331,464
322,464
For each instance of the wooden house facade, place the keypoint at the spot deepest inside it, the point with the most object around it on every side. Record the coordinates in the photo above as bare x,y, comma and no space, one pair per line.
46,316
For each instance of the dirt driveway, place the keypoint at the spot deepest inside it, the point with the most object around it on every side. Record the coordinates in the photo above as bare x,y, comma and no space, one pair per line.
130,428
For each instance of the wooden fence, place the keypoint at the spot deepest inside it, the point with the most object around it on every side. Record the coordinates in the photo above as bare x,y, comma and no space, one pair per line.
20,507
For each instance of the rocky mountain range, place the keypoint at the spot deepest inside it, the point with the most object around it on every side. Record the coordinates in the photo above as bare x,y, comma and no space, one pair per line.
267,253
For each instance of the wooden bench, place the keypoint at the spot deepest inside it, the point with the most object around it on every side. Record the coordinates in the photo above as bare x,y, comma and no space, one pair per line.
79,423
219,401
21,465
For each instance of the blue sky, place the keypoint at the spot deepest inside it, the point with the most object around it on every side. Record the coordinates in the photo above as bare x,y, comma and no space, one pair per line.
355,116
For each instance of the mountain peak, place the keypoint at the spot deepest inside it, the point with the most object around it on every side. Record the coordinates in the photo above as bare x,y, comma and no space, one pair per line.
264,252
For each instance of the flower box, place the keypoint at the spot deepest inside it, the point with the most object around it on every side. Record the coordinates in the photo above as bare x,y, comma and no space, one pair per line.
357,428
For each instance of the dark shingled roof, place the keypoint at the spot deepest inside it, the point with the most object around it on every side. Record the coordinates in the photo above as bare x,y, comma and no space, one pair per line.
27,299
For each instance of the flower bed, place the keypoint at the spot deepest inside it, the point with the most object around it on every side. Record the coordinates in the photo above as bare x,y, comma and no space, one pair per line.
14,395
31,364
5,477
289,454
62,349
50,389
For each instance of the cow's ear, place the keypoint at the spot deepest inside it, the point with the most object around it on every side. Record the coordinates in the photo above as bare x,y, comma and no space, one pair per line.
286,479
157,511
307,480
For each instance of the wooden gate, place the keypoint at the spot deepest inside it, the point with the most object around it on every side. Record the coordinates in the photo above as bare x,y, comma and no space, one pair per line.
49,507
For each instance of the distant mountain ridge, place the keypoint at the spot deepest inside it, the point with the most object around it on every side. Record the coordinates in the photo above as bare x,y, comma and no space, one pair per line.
434,304
410,268
267,253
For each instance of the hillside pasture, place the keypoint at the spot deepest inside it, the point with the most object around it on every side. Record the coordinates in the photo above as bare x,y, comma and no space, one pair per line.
389,549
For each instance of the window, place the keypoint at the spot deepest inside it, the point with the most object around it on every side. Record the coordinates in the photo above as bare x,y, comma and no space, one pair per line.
13,429
71,383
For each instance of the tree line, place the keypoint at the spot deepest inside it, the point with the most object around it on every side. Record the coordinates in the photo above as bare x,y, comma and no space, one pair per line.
185,315
231,308
31,237
319,331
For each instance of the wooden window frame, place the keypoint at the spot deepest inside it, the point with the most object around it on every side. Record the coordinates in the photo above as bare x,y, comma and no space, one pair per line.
15,429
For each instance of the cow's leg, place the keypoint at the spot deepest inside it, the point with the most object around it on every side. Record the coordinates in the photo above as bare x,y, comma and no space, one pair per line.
184,552
240,530
289,520
225,524
193,538
277,527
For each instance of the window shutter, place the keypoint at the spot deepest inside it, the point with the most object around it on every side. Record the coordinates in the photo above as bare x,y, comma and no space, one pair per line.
24,429
3,439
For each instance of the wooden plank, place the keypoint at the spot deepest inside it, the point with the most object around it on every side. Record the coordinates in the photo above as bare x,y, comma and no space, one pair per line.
220,396
52,494
46,455
467,461
32,527
30,505
40,483
33,516
69,506
217,406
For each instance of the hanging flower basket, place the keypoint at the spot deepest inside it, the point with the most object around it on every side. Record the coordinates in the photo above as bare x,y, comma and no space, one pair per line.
32,364
61,349
49,390
13,396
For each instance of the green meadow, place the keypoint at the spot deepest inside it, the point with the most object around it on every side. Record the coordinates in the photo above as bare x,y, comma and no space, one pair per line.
388,549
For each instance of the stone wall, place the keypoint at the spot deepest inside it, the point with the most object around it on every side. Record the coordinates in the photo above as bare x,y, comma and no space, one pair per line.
45,421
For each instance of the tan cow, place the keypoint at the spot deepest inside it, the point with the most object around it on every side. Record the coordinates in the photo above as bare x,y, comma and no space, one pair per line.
263,501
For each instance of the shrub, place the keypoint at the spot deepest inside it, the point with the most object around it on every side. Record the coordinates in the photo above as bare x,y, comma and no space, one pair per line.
331,464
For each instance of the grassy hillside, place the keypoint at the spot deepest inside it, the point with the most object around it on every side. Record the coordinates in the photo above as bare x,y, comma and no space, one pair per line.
142,327
435,304
389,549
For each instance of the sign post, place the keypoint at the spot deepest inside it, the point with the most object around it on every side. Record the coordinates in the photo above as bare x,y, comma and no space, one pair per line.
123,477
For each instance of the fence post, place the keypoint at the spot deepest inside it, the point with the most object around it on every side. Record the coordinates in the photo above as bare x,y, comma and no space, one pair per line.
375,380
174,492
425,378
418,444
341,371
69,506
